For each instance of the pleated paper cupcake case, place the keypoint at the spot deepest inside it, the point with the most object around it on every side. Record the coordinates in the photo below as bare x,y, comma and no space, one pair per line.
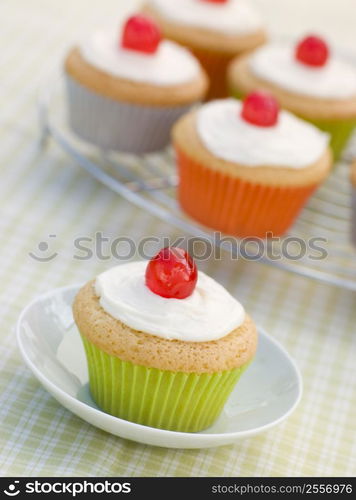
119,126
186,402
234,206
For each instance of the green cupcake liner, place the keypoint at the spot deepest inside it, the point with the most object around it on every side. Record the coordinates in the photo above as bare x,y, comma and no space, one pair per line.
177,401
340,130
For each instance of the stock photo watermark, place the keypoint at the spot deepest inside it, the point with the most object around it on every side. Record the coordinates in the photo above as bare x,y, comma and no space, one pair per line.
124,248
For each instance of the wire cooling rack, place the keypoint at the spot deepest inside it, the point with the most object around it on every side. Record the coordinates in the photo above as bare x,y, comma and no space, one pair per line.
318,246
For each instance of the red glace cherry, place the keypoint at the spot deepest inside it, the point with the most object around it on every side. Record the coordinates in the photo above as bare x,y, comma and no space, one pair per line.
312,51
142,34
261,109
172,273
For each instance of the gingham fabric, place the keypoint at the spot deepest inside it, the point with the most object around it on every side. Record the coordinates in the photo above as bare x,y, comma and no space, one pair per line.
43,192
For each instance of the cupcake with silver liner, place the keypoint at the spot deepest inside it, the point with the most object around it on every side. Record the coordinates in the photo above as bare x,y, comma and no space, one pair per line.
127,87
247,168
308,78
165,344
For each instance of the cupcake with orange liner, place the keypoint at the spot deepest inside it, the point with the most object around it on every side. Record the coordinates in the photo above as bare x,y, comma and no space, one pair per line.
214,30
247,168
127,87
165,344
308,78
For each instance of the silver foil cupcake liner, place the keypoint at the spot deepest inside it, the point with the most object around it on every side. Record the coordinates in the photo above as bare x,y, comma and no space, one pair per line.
119,126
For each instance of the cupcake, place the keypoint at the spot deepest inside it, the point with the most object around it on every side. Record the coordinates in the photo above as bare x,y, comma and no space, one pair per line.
214,30
353,202
307,79
165,344
126,89
247,168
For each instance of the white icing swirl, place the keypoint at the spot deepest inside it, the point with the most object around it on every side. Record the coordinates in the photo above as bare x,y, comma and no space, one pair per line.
234,17
208,314
291,143
171,64
276,63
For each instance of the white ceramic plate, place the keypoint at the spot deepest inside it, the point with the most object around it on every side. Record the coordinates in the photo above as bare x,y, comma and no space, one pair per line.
49,342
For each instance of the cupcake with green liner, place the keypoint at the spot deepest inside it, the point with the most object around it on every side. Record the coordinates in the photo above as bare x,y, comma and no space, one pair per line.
165,344
308,79
126,87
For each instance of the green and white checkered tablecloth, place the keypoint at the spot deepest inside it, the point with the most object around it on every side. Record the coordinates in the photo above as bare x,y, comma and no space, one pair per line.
44,193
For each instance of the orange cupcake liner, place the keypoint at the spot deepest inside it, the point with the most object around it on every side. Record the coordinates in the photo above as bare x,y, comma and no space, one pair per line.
235,206
215,64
